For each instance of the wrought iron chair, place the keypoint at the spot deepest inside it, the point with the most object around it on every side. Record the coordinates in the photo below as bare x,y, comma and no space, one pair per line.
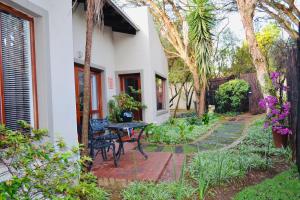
100,139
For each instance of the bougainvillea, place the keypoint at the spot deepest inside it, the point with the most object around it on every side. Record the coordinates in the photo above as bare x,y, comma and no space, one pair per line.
278,109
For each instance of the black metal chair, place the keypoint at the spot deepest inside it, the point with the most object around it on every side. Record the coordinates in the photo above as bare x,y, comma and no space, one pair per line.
100,139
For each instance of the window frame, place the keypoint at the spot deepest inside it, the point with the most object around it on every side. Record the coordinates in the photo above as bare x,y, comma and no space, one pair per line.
164,103
19,14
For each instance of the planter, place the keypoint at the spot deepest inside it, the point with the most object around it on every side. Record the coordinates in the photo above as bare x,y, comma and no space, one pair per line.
279,140
127,116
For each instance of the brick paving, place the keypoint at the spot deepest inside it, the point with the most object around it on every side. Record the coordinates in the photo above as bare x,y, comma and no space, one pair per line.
132,167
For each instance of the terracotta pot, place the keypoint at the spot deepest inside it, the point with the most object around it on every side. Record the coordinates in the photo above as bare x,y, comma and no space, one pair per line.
279,140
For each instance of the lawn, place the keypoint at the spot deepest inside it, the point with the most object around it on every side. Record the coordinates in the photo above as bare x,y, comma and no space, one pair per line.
283,186
181,130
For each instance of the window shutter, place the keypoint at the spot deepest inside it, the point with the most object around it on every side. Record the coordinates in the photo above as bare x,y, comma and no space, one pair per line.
16,69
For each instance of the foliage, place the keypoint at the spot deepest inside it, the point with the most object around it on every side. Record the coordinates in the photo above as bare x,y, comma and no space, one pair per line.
178,72
279,110
124,102
232,95
179,130
205,119
114,111
161,191
41,170
283,186
217,167
201,21
242,62
226,47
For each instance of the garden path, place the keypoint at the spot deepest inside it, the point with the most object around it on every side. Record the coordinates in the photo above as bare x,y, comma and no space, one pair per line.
223,135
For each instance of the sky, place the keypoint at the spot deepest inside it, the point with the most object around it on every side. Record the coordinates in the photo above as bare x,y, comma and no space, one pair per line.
234,22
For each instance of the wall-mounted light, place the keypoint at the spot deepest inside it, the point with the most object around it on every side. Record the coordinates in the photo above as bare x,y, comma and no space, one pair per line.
79,54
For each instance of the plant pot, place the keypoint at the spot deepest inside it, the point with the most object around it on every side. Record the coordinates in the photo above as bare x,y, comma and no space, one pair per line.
279,140
127,116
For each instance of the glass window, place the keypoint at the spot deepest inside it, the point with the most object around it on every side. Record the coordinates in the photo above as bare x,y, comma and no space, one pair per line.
160,93
16,70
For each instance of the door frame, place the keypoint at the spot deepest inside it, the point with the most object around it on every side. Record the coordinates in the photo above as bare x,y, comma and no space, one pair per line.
79,68
138,75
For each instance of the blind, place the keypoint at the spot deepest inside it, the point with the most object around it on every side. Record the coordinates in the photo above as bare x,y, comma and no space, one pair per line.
16,68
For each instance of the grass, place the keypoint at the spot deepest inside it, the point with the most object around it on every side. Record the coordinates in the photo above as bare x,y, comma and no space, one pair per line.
285,186
180,130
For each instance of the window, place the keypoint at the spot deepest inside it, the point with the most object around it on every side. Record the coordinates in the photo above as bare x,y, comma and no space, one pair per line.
16,68
160,92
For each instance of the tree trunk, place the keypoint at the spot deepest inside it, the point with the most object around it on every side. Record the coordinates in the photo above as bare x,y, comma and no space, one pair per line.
178,100
202,103
87,84
246,10
197,91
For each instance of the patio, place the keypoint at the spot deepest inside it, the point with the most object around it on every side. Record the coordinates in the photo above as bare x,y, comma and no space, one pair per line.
160,166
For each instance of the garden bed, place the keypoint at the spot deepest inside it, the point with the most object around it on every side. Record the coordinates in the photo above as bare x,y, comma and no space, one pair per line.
253,177
181,130
221,174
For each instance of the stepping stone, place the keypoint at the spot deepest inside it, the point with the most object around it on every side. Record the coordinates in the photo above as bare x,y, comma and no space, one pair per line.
178,149
159,149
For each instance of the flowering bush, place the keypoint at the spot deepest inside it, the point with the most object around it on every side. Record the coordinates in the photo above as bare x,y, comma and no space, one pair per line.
278,109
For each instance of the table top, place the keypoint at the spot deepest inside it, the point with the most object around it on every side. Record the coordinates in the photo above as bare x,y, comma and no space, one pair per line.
126,125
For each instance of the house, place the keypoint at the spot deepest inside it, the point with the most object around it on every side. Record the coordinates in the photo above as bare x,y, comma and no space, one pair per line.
42,52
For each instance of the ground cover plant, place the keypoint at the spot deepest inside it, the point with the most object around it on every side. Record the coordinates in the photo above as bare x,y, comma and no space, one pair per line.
161,191
283,186
214,168
181,130
42,170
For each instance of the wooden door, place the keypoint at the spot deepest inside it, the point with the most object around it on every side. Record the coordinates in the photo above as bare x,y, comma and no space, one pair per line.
96,110
134,81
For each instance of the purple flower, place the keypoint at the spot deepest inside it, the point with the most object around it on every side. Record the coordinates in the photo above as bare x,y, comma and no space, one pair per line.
262,104
274,75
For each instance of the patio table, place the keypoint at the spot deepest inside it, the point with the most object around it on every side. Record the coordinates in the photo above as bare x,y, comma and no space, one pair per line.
120,127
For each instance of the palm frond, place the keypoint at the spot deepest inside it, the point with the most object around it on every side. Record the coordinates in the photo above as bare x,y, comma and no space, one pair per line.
201,22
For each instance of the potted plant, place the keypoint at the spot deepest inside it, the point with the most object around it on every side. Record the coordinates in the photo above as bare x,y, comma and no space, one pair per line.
122,107
278,110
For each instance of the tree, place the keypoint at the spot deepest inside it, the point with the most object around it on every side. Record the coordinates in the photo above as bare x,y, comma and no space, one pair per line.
171,18
267,39
246,10
242,61
180,80
224,51
285,12
201,21
94,14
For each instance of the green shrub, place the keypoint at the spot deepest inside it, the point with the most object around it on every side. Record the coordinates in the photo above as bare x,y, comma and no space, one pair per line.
42,170
283,186
231,96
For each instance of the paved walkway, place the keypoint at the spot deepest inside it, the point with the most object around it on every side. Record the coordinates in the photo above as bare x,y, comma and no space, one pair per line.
221,136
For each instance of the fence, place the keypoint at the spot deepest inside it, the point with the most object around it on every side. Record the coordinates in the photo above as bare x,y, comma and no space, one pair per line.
254,96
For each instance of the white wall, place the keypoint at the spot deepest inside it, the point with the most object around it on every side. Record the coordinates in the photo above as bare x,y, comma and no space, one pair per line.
55,70
103,51
143,53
